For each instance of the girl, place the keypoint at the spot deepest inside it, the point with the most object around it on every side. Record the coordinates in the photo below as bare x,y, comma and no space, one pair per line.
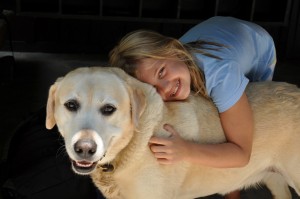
216,58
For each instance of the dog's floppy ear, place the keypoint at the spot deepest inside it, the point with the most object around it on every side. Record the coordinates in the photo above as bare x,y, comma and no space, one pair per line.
137,94
50,120
138,104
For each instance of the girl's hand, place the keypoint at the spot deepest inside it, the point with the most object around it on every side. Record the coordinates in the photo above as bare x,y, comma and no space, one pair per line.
169,150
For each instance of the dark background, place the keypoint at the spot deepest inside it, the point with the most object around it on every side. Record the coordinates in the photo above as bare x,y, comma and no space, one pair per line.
85,26
41,40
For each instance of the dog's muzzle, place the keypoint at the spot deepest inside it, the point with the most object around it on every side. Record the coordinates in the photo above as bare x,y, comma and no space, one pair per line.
84,149
85,162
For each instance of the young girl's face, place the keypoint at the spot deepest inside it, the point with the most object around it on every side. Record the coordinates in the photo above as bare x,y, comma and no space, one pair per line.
170,77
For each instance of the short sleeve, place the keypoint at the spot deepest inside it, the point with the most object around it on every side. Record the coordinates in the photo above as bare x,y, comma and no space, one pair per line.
225,85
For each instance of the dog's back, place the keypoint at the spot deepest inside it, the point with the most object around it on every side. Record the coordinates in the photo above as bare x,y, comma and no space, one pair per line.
277,135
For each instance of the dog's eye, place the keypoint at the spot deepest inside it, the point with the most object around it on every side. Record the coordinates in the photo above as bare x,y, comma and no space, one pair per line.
107,109
72,105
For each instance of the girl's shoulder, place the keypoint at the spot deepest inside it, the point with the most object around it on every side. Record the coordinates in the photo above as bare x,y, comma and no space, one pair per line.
225,82
224,30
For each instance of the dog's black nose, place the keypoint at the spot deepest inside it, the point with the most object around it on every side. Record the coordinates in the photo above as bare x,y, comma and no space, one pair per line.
85,148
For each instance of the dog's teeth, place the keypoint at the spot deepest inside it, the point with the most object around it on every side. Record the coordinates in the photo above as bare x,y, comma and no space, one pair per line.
85,164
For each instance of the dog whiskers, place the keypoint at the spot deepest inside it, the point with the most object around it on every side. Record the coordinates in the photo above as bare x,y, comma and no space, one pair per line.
61,151
103,156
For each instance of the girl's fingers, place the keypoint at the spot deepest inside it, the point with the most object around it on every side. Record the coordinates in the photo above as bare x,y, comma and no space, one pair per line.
160,155
164,161
161,140
157,148
158,141
163,158
170,129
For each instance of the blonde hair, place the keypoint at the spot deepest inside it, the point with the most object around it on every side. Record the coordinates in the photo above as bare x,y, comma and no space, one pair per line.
143,44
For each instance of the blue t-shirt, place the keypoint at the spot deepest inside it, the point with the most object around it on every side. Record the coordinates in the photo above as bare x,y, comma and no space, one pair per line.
248,55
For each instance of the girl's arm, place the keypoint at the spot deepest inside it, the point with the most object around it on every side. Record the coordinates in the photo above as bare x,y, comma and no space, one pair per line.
237,124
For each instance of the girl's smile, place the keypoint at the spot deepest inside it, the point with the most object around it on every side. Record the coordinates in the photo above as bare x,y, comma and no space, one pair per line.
170,77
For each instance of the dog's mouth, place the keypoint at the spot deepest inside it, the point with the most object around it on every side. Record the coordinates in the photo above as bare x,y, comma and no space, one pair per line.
83,167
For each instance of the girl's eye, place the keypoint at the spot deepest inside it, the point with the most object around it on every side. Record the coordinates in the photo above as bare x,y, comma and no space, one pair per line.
161,72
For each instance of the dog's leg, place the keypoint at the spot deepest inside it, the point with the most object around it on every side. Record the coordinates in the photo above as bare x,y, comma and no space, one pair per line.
277,185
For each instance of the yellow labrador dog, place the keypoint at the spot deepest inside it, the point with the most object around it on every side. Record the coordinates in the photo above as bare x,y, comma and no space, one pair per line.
107,117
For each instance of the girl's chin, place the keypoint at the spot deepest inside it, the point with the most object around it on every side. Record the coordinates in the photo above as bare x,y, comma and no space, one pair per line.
182,96
185,93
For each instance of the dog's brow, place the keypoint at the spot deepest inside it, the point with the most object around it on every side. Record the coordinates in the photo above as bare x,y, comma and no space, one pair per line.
109,100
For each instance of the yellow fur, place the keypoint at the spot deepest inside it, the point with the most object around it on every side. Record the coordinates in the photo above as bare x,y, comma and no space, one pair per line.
141,113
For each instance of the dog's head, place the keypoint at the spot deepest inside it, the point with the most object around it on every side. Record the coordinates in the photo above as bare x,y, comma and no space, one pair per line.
96,112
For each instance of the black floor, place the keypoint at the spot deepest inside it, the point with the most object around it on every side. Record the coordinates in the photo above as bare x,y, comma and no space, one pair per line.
24,88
